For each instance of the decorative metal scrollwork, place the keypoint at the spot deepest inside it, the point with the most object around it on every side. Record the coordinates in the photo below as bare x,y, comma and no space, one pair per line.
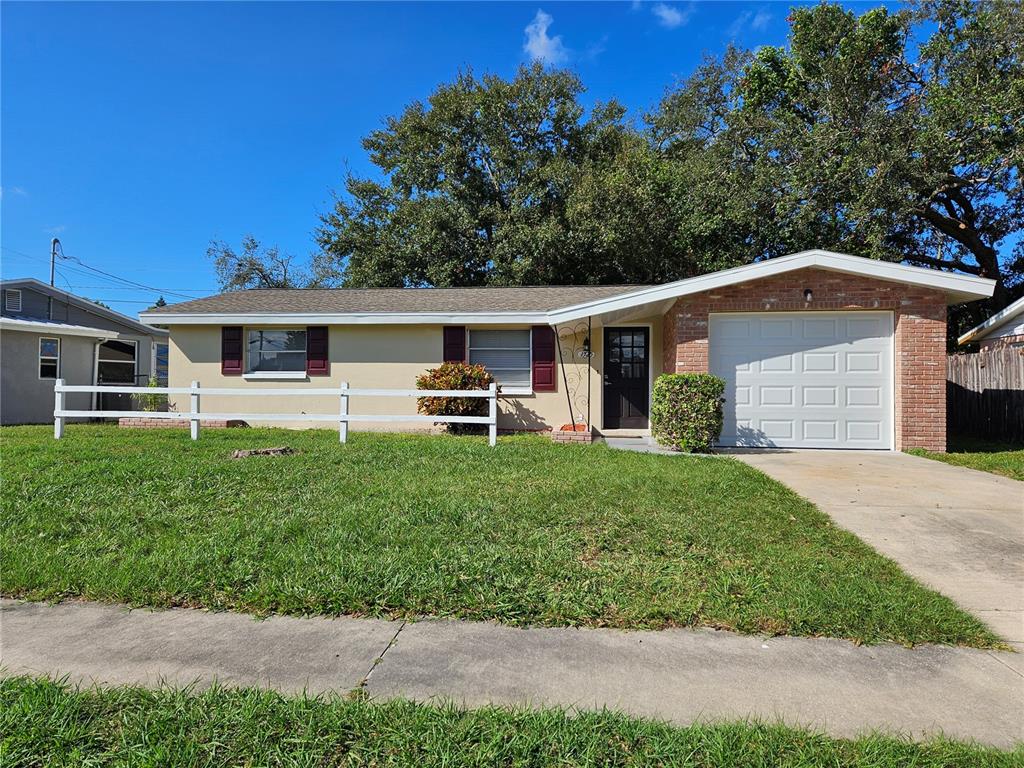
575,352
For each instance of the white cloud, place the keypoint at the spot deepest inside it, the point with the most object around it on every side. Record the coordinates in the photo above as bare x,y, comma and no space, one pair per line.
539,46
54,231
750,21
15,191
671,17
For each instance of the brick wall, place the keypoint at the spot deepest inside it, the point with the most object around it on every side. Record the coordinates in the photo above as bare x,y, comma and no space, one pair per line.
920,336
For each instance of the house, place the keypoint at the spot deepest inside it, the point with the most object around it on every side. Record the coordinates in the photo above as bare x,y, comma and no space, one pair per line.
1003,329
47,333
818,349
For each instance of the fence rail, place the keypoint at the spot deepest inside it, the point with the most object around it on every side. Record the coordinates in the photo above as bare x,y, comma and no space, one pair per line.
194,415
985,394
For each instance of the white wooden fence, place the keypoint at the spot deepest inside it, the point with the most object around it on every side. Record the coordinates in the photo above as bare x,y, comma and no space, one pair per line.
343,418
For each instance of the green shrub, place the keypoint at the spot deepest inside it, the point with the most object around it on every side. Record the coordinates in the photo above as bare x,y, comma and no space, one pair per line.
455,376
686,411
152,402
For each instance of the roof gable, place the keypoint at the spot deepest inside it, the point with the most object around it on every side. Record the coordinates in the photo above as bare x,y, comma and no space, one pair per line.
82,303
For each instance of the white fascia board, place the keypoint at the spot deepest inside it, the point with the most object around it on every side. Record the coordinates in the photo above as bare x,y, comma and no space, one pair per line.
55,329
993,323
957,287
365,318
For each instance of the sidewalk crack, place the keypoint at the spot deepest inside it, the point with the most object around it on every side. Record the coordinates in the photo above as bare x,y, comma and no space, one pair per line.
366,678
990,653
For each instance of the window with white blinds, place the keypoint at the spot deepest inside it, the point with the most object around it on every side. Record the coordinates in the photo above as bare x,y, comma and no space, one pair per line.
505,353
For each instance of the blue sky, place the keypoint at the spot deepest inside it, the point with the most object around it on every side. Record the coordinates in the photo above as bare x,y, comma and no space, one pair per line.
138,132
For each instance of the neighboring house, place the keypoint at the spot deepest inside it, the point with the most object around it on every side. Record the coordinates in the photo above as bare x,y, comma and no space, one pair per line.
818,349
1003,329
47,333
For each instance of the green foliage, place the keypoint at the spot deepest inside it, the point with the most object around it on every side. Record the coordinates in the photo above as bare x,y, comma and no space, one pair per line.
152,401
55,724
257,267
475,186
455,376
389,525
1004,459
895,136
686,410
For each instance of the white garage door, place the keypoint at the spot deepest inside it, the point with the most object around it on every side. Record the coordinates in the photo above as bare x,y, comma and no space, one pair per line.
805,380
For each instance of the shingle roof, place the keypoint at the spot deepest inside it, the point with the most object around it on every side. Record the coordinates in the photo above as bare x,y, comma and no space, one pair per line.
361,300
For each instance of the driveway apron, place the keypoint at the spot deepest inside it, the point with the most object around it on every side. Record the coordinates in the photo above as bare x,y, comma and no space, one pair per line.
958,530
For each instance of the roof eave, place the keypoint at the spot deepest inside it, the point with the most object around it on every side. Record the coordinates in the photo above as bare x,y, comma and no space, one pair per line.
347,318
994,323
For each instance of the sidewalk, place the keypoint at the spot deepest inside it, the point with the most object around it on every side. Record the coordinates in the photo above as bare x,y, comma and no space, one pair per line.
676,675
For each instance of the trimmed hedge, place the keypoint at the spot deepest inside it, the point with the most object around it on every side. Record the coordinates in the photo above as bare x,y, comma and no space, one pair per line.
686,411
455,376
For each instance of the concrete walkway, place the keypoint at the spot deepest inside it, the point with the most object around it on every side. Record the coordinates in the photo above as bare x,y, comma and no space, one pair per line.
677,675
958,530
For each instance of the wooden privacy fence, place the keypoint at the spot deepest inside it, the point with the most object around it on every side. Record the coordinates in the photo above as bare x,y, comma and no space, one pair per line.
342,416
985,394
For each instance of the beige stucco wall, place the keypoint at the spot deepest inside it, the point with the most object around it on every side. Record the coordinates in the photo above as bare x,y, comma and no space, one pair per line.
386,357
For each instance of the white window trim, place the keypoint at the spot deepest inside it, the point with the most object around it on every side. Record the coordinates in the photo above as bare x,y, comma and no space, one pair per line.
275,375
41,357
250,374
135,358
8,293
505,390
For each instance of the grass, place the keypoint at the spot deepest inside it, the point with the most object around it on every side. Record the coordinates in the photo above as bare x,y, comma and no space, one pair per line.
529,533
47,723
998,458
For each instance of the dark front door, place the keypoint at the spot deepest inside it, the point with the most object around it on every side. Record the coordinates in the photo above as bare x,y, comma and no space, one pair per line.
626,378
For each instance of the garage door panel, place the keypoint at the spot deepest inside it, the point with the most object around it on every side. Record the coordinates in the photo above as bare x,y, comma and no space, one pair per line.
828,385
816,396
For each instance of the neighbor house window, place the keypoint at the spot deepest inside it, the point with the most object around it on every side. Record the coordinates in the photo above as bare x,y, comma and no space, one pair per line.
506,354
49,358
276,350
160,363
115,362
12,298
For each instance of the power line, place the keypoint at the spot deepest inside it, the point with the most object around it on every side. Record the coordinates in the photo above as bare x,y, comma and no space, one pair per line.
94,271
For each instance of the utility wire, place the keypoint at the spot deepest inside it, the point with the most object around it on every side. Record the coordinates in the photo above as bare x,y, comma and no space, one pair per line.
124,282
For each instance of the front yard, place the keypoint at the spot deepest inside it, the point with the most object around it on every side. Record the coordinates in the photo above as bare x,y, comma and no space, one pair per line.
999,458
398,525
45,723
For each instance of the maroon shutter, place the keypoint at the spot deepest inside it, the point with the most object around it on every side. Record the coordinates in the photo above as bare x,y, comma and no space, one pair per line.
316,351
454,343
544,369
231,350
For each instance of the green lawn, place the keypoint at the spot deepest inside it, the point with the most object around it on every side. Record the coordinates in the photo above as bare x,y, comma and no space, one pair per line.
44,723
398,525
999,458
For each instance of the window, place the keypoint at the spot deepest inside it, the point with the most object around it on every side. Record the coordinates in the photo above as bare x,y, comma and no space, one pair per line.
115,363
276,350
12,298
159,368
506,354
49,358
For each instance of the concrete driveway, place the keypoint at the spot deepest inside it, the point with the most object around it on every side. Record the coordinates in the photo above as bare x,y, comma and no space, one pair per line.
957,530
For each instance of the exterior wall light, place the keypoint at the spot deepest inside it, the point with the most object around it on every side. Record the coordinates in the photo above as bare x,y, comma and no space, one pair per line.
808,295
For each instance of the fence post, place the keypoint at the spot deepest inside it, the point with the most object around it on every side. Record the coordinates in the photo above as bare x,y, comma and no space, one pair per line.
58,405
492,414
343,412
194,410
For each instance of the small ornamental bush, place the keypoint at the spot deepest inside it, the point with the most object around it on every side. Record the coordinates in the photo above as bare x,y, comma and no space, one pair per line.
686,411
154,401
455,376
